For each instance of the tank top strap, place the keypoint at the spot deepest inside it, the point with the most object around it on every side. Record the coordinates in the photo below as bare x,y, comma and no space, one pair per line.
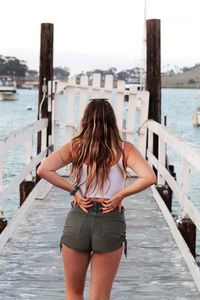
123,145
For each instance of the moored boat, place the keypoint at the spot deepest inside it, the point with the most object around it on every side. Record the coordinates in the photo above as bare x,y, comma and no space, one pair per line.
196,117
8,90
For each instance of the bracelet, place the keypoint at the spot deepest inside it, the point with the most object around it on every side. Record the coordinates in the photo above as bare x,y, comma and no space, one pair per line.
75,189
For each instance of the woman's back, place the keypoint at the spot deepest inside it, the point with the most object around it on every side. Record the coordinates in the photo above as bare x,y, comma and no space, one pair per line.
113,184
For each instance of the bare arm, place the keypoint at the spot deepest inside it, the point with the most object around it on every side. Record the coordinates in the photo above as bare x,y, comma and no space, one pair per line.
54,162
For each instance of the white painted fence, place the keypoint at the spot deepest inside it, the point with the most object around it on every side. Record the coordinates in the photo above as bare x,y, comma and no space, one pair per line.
24,136
190,158
81,93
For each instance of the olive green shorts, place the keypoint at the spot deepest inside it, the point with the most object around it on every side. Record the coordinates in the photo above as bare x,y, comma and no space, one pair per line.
94,231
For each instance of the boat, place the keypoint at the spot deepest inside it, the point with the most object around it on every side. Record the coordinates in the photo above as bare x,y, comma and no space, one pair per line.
196,117
8,89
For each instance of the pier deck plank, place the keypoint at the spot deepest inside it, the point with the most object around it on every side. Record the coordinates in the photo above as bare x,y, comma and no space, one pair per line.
31,265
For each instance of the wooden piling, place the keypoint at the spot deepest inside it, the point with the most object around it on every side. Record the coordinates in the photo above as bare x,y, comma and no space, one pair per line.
188,231
166,194
25,188
45,75
3,224
171,170
153,79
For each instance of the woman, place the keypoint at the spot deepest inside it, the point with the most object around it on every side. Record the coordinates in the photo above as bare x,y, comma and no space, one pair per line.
95,227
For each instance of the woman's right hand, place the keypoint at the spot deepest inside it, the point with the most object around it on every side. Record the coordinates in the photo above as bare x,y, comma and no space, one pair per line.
84,203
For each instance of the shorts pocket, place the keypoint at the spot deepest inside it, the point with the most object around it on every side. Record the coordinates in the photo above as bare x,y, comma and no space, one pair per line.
73,224
113,231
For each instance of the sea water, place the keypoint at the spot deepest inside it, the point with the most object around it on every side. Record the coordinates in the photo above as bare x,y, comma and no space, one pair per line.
179,105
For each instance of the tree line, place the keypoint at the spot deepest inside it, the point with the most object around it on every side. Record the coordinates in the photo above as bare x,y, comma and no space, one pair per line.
11,66
128,75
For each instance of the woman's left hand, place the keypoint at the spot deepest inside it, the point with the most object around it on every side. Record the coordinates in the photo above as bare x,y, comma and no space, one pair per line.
111,204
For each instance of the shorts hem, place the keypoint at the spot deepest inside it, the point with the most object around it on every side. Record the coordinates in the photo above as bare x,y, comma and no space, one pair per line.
74,248
106,251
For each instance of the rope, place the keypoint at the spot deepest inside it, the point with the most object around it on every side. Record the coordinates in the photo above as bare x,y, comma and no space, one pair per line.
44,91
140,127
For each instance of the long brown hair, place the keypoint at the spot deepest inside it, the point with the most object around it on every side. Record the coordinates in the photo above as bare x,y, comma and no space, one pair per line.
98,143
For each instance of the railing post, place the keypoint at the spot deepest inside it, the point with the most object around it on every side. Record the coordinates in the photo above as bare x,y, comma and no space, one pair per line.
56,117
70,122
45,75
131,115
153,80
142,142
96,84
120,103
108,86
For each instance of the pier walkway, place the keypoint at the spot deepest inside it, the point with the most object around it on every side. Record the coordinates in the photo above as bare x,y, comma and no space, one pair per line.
31,265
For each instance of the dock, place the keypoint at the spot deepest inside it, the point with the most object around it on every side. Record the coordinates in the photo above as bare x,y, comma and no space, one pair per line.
31,264
162,262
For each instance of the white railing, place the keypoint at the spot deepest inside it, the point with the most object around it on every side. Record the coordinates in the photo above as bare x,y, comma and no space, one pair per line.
126,117
24,136
190,158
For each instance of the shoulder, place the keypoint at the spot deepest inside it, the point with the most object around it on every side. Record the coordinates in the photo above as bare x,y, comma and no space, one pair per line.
65,152
75,146
129,147
68,151
130,151
71,146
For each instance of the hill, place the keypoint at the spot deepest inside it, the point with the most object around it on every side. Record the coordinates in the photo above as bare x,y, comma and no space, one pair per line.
187,79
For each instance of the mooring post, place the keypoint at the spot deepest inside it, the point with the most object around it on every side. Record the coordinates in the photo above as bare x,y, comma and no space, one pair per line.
3,223
171,170
188,231
153,78
24,190
45,75
166,194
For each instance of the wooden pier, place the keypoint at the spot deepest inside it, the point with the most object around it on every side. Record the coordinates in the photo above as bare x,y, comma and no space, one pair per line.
161,261
31,264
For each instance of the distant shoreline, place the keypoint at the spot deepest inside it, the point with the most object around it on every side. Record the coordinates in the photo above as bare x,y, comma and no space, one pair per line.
180,87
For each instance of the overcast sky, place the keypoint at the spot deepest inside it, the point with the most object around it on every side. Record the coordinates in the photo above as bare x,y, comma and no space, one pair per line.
92,34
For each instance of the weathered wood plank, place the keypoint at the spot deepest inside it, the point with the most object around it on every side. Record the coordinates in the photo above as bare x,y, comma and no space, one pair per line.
31,264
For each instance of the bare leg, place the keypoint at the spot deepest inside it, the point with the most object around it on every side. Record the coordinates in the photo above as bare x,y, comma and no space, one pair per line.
75,268
103,270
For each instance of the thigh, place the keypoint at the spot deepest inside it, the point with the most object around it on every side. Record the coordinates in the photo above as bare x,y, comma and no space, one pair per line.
75,267
103,270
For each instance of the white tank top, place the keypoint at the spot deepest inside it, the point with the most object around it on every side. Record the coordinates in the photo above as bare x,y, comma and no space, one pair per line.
115,182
